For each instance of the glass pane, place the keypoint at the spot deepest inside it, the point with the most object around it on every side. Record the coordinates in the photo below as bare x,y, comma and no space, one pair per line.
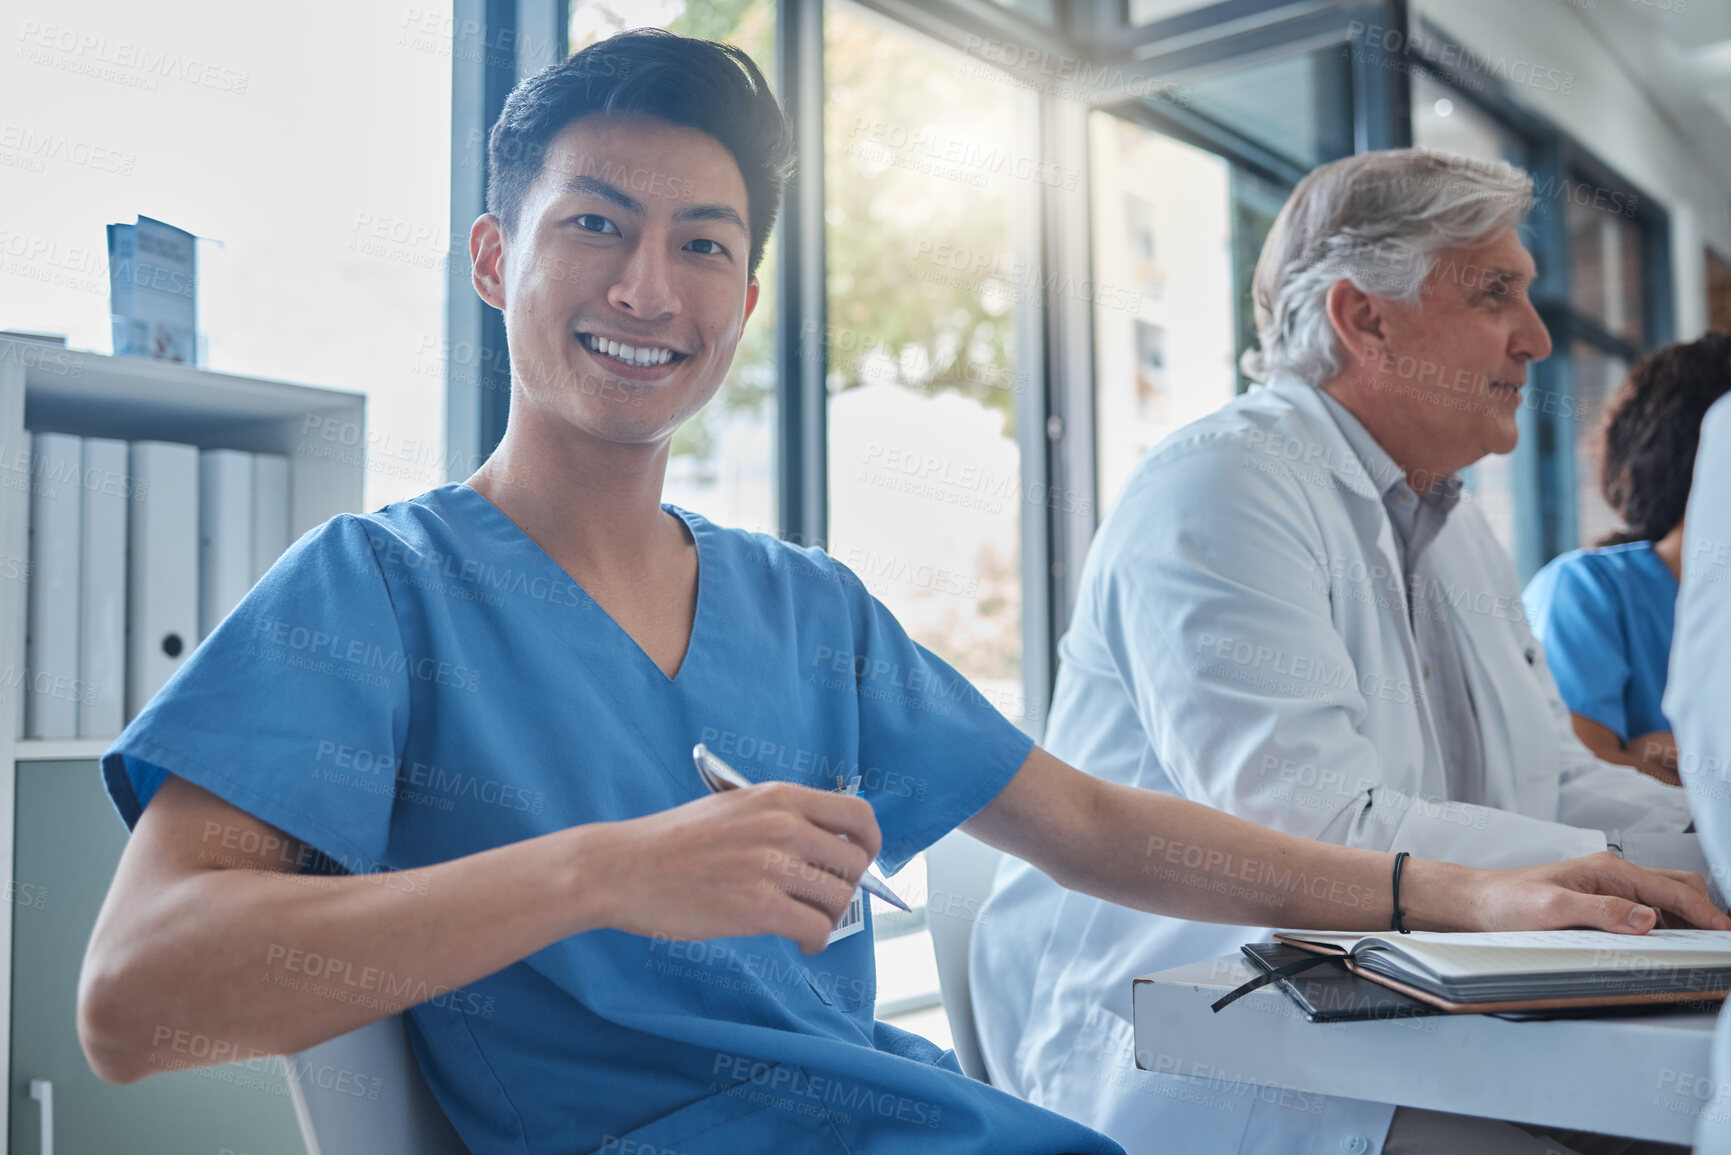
1255,204
330,273
1038,10
925,478
1299,107
1164,339
722,462
1443,118
1604,264
1147,11
1597,375
1718,291
924,471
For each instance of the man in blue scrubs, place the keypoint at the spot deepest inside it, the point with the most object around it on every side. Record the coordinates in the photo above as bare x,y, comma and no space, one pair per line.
439,759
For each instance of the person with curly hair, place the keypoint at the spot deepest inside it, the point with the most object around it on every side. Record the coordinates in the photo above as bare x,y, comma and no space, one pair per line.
1605,614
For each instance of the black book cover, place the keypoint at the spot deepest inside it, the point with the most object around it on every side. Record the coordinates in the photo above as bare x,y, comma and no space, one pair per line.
1329,993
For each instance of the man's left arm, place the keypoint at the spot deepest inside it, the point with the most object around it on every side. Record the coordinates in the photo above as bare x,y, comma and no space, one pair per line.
1161,853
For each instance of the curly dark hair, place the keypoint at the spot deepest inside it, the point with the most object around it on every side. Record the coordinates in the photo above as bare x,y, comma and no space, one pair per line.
1650,432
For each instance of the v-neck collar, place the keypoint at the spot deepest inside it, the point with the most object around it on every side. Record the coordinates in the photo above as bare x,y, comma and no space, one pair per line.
694,525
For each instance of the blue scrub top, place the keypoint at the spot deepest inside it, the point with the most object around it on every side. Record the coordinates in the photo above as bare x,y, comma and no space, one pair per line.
1605,618
425,683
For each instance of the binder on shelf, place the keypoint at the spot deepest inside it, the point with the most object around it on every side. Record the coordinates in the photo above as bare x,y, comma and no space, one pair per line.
108,490
224,534
161,567
270,511
52,688
16,596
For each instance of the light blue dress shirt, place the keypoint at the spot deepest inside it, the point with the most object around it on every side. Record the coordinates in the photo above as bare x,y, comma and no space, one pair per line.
1417,518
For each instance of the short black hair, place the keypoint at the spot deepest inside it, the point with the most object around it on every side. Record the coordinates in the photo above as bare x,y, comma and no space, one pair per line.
1651,431
714,88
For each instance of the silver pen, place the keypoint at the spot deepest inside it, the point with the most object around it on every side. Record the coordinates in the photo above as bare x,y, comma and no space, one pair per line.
719,776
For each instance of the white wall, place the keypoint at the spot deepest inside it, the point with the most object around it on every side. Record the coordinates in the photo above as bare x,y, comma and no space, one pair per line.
1678,161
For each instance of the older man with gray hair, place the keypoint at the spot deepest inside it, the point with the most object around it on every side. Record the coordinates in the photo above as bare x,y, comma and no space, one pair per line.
1295,613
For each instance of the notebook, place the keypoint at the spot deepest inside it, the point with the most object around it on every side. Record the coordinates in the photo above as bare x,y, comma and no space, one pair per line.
1331,993
1534,970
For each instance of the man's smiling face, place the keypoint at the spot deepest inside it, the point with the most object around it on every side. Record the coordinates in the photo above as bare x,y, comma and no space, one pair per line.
625,284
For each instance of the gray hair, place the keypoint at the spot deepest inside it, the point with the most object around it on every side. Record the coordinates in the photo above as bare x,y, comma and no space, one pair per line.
1372,219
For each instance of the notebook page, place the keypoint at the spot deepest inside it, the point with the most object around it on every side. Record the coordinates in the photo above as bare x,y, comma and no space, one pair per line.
1452,955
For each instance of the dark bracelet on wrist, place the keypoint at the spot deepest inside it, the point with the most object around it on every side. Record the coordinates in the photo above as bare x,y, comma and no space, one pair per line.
1399,914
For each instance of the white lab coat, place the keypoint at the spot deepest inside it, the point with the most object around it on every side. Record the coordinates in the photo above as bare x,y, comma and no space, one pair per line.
1698,702
1242,639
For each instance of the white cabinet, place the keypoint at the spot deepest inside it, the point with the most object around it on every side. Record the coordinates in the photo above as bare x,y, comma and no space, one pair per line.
48,389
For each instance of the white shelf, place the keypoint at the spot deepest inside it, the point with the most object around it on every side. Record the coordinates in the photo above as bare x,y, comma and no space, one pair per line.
81,749
49,389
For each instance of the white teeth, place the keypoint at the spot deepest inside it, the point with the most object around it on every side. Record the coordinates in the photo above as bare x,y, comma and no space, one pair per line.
628,353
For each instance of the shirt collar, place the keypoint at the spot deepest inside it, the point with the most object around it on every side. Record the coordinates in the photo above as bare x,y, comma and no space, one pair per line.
1379,467
1382,470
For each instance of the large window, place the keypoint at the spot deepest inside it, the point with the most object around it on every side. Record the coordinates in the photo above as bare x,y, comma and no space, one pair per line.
320,195
1184,191
1597,375
1605,265
921,154
1165,349
1616,306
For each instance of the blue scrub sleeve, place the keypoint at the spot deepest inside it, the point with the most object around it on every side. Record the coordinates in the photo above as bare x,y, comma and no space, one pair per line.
294,709
1586,642
933,751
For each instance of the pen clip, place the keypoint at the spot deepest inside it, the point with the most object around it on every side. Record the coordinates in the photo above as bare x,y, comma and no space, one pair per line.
716,774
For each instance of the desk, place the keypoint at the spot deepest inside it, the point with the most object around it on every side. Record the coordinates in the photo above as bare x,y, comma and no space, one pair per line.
1642,1076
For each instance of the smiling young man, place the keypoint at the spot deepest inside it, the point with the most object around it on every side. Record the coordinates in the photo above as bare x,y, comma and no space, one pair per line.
1295,612
441,757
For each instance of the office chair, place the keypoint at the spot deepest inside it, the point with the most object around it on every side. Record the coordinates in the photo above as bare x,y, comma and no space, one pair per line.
404,1118
959,873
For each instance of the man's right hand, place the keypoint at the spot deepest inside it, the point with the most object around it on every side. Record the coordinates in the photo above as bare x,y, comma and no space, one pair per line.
762,860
